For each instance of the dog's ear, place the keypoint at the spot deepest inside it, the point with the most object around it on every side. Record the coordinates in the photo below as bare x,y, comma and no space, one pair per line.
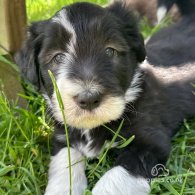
27,57
130,28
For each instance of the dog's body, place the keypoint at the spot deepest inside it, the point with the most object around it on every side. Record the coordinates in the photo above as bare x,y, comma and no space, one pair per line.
94,54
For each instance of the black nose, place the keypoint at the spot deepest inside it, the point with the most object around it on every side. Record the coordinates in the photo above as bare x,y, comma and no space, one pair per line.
88,100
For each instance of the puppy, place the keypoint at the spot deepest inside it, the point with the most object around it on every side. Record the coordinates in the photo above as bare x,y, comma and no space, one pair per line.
94,54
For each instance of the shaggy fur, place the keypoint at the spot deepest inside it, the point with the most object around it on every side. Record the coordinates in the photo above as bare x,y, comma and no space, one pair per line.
94,54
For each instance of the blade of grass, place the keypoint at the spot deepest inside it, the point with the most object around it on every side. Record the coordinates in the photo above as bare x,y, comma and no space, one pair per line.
114,133
184,184
6,169
61,105
7,108
108,148
127,142
7,139
170,188
33,179
4,60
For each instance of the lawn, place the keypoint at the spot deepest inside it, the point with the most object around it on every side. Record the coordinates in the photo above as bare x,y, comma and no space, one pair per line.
25,138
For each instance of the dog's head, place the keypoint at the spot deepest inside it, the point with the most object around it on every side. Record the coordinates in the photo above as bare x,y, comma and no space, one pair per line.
93,53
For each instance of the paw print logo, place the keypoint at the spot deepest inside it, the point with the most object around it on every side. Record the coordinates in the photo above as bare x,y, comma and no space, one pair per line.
159,170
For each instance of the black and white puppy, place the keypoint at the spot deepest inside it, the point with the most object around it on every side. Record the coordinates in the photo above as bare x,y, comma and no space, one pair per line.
94,54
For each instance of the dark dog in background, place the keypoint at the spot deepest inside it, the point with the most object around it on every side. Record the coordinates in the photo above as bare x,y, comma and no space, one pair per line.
154,10
174,45
169,7
94,54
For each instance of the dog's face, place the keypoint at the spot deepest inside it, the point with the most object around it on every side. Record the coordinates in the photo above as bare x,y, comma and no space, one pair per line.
93,53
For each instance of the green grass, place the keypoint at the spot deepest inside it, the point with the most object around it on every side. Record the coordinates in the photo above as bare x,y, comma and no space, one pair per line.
25,139
24,147
43,9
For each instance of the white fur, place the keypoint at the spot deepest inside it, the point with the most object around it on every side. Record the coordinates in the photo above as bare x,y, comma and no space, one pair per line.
58,183
161,12
62,19
118,181
46,97
60,137
170,75
86,149
134,90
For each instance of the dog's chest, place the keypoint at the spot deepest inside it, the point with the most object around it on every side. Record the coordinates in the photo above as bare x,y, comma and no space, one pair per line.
89,142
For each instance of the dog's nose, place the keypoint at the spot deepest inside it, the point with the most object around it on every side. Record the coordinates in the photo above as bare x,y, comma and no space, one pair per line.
88,100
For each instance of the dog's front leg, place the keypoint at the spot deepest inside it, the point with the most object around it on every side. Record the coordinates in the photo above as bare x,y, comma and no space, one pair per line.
58,183
136,166
118,181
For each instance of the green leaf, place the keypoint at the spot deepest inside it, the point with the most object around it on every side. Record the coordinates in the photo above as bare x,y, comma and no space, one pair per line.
171,188
59,98
4,60
126,143
87,192
109,146
184,184
6,169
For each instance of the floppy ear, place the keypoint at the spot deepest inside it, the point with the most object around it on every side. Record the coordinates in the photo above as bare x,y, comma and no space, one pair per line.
27,57
130,30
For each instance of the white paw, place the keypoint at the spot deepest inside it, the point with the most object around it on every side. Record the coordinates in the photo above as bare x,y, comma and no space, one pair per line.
118,181
58,183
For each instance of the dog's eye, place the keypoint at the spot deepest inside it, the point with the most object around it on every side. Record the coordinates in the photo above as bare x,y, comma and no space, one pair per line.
110,52
59,58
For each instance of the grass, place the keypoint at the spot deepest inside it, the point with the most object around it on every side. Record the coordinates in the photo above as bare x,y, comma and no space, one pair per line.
40,9
25,139
24,147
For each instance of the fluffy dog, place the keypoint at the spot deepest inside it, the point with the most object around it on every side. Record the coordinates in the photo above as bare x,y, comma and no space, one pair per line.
94,54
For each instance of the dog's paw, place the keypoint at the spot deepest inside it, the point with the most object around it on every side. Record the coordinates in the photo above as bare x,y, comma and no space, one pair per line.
118,181
63,189
59,181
